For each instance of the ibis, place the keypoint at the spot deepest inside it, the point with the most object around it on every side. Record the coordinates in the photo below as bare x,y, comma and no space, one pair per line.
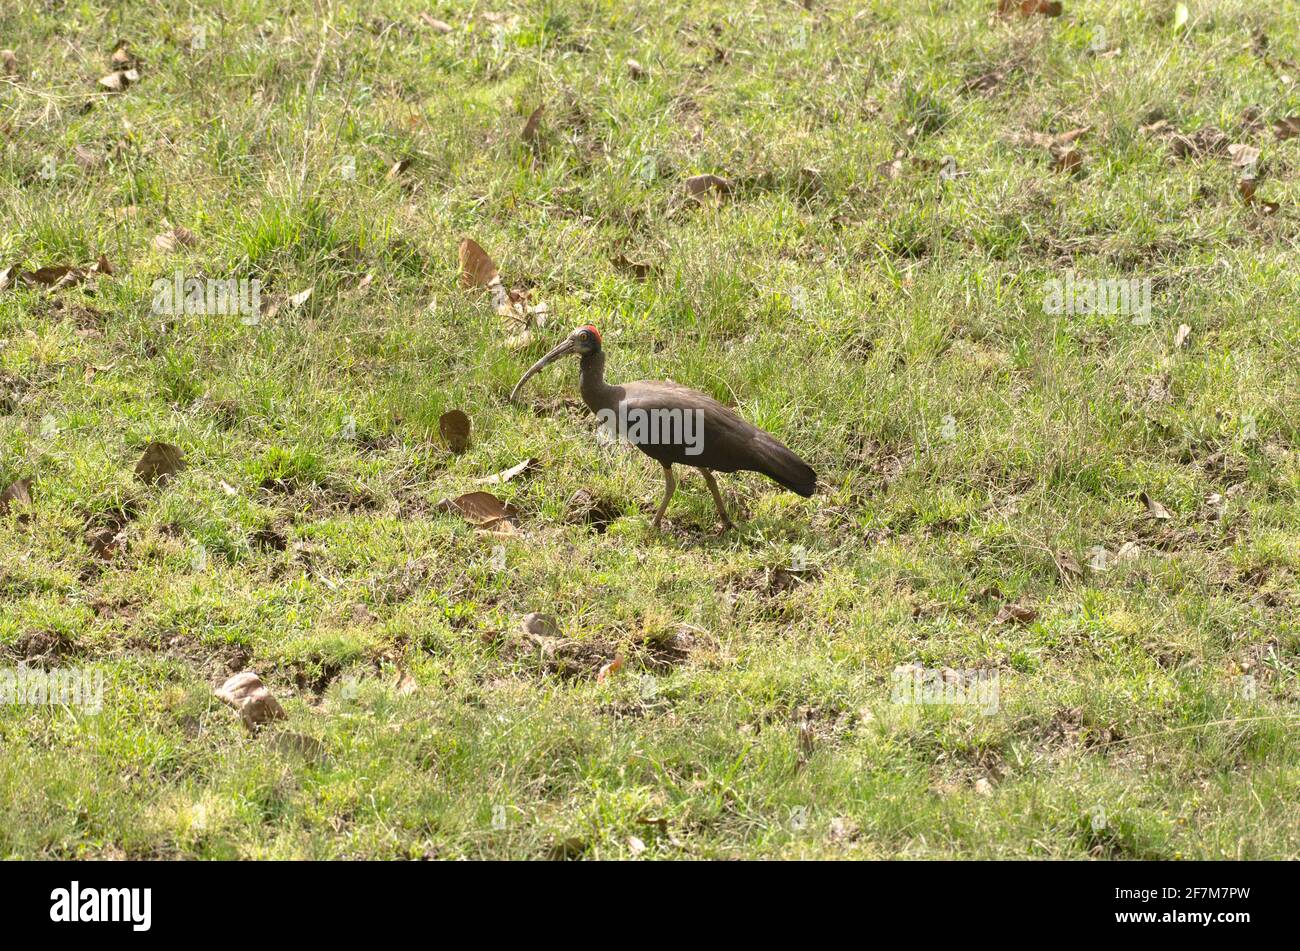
675,425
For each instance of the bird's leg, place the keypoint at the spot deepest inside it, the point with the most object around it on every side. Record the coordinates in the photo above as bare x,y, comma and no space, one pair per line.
717,497
670,486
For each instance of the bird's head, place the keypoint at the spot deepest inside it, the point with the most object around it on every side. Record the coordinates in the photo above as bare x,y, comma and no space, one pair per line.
583,341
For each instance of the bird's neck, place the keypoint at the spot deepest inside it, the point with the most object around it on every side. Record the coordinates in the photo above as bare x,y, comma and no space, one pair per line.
595,391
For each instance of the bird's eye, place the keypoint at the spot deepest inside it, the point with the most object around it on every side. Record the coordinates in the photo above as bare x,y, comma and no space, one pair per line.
586,336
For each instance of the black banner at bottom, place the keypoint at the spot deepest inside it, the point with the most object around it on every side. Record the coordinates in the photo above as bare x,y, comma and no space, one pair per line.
1219,900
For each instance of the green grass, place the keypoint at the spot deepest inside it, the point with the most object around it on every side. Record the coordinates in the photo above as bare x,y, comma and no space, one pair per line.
846,311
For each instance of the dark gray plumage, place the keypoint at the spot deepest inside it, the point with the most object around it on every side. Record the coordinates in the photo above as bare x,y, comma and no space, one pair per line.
725,442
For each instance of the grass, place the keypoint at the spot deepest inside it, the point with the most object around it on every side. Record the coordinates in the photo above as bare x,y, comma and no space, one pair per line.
849,311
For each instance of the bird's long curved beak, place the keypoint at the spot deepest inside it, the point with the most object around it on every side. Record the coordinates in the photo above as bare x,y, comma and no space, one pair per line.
565,348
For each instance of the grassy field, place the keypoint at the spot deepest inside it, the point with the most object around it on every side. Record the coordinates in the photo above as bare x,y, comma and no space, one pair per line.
1099,512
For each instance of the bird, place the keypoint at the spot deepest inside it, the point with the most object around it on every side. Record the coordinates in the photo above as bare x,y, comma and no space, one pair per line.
676,425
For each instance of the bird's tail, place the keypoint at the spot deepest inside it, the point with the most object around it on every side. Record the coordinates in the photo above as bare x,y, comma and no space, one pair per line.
781,465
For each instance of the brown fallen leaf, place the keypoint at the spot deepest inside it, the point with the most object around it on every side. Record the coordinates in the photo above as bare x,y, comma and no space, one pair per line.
19,493
122,57
638,269
1027,8
119,80
405,684
1180,337
1068,565
635,70
1129,551
699,186
527,467
438,26
1015,614
1154,508
481,508
1243,156
613,667
520,341
159,463
984,82
529,132
88,158
892,169
173,238
1208,140
8,63
477,269
454,426
1067,160
52,276
1066,156
297,300
1287,128
397,168
245,693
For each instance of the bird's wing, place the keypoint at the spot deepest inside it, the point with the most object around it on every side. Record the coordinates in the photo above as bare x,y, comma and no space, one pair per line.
660,394
729,442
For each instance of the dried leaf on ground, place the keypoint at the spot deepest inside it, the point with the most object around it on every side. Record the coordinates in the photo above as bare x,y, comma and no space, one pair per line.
173,238
529,132
701,186
1028,8
1068,565
527,467
1015,614
477,269
1287,128
1154,508
638,269
454,426
481,508
438,26
17,494
1243,156
122,57
119,80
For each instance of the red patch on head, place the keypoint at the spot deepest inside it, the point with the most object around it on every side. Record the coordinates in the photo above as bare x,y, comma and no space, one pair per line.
594,331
